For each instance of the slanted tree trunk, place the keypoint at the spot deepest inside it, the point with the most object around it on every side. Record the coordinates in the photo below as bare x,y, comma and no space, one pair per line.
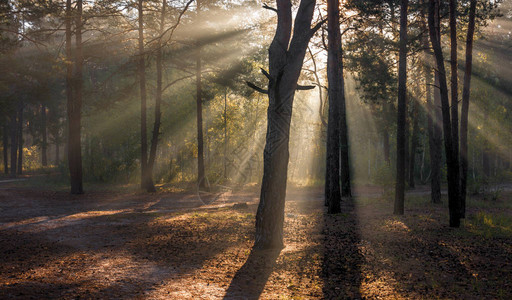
285,63
451,153
5,138
332,180
199,106
44,144
20,139
401,115
465,109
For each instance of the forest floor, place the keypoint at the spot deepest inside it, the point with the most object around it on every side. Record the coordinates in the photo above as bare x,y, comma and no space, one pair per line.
173,245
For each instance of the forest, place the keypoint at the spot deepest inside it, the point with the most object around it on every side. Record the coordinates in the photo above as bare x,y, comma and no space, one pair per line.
256,149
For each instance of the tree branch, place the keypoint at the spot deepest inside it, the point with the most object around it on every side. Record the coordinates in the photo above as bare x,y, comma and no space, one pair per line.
256,88
317,26
304,87
266,74
265,6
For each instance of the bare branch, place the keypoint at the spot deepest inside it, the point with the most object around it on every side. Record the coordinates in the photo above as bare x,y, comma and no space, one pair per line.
256,88
266,74
176,81
317,26
305,87
265,6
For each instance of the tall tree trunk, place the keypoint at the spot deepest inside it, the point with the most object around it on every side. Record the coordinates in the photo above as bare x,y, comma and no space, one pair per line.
14,143
407,137
5,138
465,109
141,73
401,115
455,103
285,64
334,122
44,145
158,101
199,106
451,154
20,139
346,189
434,117
74,97
414,141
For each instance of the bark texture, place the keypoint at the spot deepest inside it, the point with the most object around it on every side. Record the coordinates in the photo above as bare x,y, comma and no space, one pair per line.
145,181
402,91
333,187
199,106
158,103
450,149
465,109
286,55
74,97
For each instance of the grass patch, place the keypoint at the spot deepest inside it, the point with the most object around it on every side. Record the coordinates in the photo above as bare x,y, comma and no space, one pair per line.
490,225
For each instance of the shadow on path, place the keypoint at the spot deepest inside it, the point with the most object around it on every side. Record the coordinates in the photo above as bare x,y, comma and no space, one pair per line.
249,281
342,260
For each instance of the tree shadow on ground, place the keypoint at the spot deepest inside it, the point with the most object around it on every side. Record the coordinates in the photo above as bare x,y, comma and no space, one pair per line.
250,279
342,260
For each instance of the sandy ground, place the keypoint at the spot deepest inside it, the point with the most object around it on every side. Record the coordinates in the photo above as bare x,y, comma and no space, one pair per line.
179,246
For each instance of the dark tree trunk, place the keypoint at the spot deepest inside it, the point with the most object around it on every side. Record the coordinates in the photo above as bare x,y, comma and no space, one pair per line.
74,98
285,64
332,180
465,109
199,106
14,143
141,73
5,138
44,144
450,148
20,139
414,141
455,105
346,189
434,119
158,101
401,115
438,143
407,138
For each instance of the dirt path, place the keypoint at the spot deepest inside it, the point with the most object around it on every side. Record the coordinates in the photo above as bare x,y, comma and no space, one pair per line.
172,246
